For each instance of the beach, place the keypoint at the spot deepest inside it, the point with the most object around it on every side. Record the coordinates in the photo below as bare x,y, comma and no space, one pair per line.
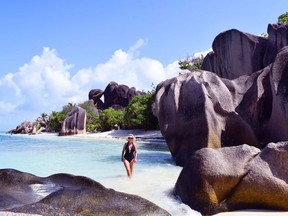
148,136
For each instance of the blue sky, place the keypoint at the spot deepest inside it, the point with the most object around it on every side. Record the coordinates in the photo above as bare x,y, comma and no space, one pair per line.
54,52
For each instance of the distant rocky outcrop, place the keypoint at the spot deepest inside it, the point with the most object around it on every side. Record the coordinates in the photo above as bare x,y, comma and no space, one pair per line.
118,95
25,127
200,109
242,177
75,123
115,95
28,127
65,194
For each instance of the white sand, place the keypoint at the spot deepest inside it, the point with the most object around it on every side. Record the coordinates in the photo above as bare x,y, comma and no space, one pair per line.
122,134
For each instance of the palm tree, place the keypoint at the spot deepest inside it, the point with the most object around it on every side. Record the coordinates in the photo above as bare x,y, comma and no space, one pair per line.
44,117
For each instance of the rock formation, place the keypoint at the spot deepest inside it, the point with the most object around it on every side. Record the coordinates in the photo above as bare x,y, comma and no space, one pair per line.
115,96
121,95
28,127
64,194
197,110
236,53
75,123
242,100
200,109
95,95
277,39
25,127
234,178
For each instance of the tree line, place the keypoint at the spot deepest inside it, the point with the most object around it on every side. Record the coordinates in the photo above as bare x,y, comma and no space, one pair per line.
137,115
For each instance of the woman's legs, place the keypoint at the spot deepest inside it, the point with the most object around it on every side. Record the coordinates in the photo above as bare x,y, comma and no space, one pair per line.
127,166
132,166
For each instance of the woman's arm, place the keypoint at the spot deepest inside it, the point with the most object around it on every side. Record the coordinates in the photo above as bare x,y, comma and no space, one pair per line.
136,152
123,151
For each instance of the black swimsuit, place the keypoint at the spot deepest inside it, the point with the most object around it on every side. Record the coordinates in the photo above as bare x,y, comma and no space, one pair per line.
129,155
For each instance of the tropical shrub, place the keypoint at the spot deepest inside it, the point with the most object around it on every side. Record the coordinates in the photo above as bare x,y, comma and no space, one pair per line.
283,18
55,120
191,63
138,114
109,117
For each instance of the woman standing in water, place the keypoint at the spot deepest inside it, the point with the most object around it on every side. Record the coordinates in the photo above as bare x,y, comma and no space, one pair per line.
129,154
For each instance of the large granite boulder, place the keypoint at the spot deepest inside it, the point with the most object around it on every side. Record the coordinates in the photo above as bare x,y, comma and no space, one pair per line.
200,109
235,53
234,178
197,110
75,123
65,194
121,95
275,127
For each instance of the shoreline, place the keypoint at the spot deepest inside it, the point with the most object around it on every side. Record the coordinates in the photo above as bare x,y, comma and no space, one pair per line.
140,135
122,134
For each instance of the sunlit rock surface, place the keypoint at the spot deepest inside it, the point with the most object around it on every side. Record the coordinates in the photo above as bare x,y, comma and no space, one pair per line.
75,123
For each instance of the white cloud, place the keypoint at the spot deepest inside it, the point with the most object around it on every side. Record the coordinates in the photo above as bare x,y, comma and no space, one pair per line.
45,84
6,107
7,81
202,53
125,68
135,48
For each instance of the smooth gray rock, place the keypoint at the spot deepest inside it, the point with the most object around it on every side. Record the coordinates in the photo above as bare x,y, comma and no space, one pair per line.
277,39
200,109
235,53
234,178
197,110
65,194
118,95
75,123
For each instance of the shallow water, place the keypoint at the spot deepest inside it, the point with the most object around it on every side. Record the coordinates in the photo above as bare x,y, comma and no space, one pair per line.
100,159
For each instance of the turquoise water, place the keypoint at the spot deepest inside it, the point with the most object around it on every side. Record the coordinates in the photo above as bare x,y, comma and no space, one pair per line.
100,159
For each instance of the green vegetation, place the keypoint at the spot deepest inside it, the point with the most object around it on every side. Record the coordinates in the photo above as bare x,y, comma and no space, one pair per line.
92,122
139,115
191,63
265,35
55,120
283,18
109,117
